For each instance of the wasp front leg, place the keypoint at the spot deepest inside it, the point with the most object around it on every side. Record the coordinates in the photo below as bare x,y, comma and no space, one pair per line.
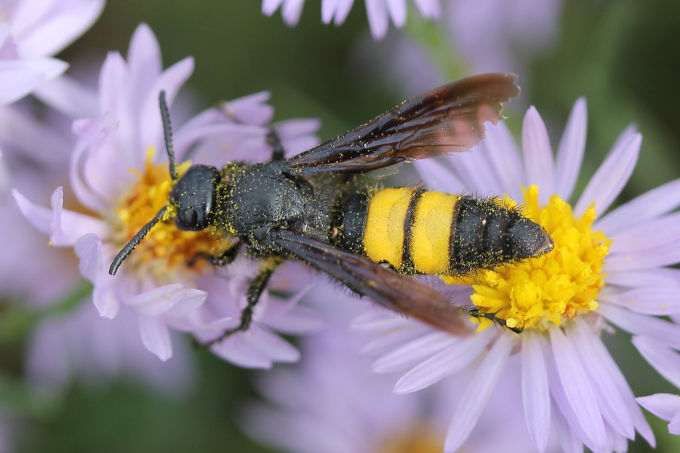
255,289
224,258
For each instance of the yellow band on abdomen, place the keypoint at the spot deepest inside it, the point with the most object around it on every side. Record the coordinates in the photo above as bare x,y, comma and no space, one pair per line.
431,232
384,234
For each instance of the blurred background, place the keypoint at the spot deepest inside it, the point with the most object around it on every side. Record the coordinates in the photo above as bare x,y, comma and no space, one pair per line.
623,56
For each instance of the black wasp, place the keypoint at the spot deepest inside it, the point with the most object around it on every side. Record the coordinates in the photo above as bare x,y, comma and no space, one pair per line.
314,207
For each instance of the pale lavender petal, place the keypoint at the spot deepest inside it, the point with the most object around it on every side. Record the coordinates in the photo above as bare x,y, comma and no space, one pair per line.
237,350
60,30
639,324
376,10
269,7
571,149
642,259
397,11
538,158
89,251
654,233
663,405
648,300
505,158
291,10
659,276
105,300
437,177
155,336
475,170
478,393
653,203
569,442
444,363
664,360
19,78
387,341
430,9
144,61
611,401
674,425
535,390
412,352
379,320
577,389
251,109
335,10
298,320
69,97
162,300
610,177
272,345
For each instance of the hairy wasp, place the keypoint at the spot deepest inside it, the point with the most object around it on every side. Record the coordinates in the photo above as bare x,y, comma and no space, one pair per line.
315,207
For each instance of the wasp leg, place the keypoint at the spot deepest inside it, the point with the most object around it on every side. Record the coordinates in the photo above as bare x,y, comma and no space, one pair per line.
273,140
222,259
492,316
253,295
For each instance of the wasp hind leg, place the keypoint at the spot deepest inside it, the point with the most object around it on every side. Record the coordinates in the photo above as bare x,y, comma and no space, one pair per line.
255,289
492,316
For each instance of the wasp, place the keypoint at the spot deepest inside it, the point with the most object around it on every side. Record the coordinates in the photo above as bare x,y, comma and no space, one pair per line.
316,208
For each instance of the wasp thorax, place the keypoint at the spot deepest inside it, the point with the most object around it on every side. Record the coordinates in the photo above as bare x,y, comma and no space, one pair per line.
193,197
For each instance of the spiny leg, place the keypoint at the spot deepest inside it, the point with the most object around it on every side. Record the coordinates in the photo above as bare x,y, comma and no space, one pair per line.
255,289
273,140
224,258
492,316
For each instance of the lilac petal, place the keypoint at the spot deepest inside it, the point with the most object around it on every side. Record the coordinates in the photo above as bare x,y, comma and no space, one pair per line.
376,10
644,325
89,251
155,336
571,149
611,401
538,158
674,425
298,320
478,393
412,352
69,97
639,210
269,7
477,174
430,9
162,300
291,11
19,78
144,58
665,255
251,109
648,300
387,340
238,350
611,176
663,405
397,10
659,276
444,363
105,300
272,345
504,156
577,389
568,440
535,391
60,30
654,233
335,10
437,177
379,320
662,358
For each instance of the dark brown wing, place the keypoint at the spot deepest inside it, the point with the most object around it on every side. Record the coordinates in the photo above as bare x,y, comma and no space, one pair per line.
445,120
395,291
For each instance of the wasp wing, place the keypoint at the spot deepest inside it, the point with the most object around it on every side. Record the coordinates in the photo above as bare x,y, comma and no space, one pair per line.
445,120
390,289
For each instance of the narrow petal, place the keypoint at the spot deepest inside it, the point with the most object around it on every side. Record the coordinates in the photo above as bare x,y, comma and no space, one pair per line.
449,361
144,60
105,300
639,210
658,276
663,405
89,251
237,350
437,177
535,391
665,255
155,336
68,96
674,425
19,78
644,325
269,7
505,158
569,442
655,233
430,9
412,352
577,389
291,11
161,300
299,320
376,10
387,341
610,177
478,393
649,300
275,347
571,149
397,11
664,360
538,157
476,172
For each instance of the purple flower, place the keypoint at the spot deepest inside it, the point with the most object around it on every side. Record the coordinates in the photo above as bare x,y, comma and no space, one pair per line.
665,406
117,174
607,268
379,12
30,32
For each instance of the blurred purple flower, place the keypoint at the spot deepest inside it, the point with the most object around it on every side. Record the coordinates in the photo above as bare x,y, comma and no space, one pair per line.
611,269
379,12
122,186
665,406
31,31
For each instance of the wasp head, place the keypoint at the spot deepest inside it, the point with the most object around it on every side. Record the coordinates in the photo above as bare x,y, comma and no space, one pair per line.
194,197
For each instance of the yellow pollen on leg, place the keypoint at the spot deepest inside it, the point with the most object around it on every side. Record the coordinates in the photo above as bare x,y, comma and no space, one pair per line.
554,287
166,248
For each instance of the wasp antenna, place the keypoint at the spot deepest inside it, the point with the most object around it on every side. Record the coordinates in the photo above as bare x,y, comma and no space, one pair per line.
134,242
167,133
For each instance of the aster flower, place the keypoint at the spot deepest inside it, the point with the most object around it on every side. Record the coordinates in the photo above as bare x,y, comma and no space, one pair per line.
30,33
119,177
379,12
607,268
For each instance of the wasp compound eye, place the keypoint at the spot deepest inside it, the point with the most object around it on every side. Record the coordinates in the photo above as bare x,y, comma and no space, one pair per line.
194,197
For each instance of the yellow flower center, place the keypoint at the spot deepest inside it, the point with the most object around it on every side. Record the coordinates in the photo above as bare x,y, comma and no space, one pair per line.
554,287
166,249
419,438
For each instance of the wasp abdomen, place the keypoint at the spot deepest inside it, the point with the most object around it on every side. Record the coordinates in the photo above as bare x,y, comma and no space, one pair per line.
427,232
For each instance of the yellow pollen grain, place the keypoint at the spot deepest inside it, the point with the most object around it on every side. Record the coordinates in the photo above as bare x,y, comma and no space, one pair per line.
166,249
552,288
